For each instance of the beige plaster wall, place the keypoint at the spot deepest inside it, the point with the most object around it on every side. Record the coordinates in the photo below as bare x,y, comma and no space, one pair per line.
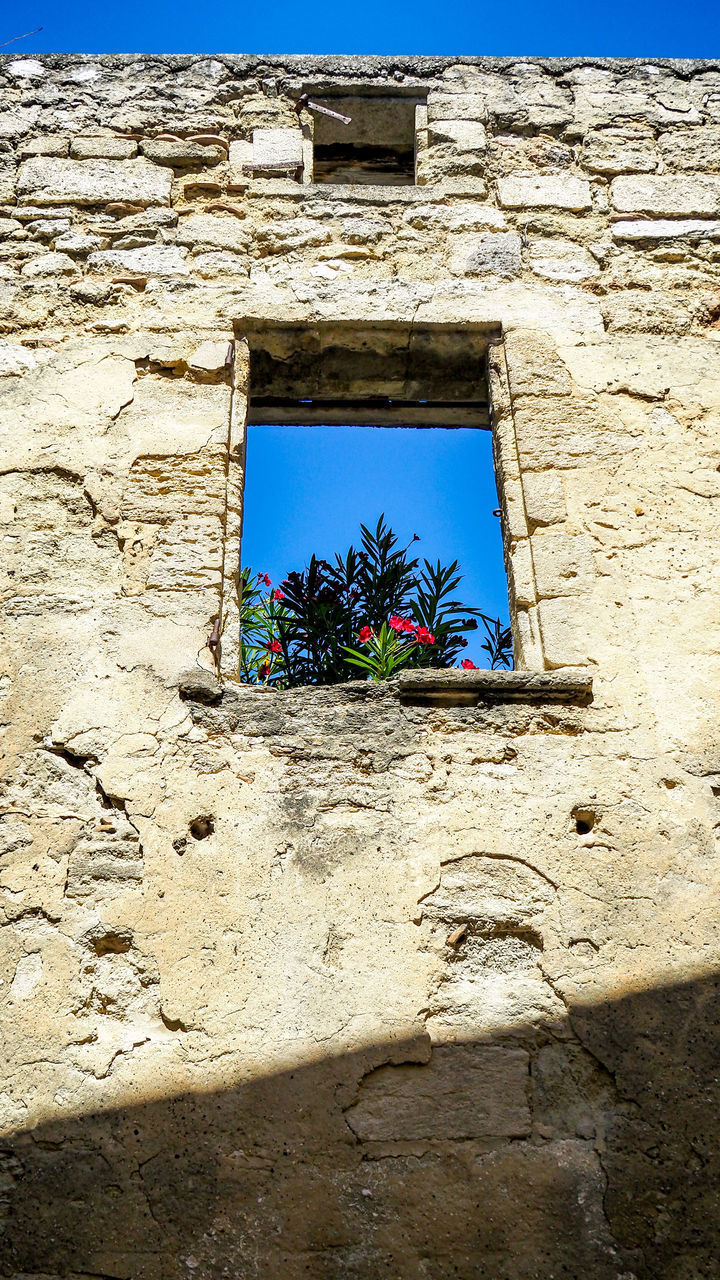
393,1015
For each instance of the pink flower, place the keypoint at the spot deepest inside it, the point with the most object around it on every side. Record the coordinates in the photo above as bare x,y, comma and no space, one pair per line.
365,635
467,665
274,646
278,594
423,636
263,577
401,624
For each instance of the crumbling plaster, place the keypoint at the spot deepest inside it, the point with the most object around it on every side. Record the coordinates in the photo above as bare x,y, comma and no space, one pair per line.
344,982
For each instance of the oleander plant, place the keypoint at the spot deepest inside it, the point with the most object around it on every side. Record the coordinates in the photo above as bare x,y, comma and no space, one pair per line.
365,615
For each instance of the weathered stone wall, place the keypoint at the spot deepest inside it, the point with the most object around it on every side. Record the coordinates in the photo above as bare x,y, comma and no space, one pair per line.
347,983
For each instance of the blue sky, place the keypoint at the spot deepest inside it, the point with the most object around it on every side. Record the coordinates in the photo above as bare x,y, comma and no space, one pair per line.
307,490
614,28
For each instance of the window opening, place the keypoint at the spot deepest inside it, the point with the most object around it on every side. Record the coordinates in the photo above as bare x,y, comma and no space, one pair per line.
315,470
376,146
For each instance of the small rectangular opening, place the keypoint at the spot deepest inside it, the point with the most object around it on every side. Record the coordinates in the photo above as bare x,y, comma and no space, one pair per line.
377,147
315,471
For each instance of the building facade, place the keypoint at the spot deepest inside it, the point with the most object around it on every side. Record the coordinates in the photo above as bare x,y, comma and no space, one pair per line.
406,979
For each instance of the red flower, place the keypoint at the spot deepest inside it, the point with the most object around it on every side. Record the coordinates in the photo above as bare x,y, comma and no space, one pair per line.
274,646
423,636
400,624
467,665
264,670
365,635
278,594
263,577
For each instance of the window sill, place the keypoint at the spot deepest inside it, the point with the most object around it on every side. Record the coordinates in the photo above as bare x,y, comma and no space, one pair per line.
422,688
468,688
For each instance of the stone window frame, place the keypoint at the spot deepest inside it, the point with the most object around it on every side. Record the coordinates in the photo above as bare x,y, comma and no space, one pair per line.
534,678
416,98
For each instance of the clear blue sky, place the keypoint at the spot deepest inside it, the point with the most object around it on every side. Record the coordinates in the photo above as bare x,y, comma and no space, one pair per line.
644,28
307,490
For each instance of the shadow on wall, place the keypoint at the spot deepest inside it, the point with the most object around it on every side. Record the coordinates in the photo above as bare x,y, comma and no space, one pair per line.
585,1150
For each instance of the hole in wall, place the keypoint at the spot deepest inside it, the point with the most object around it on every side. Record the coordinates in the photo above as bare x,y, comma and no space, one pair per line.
202,827
111,942
377,147
584,820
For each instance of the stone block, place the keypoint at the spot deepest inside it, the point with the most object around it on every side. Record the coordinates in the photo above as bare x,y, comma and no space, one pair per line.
364,230
667,195
666,229
534,366
211,357
629,312
292,233
541,191
241,153
277,146
612,151
199,685
48,228
563,564
544,498
8,226
494,253
561,260
218,262
7,183
691,148
78,242
456,217
178,153
521,570
50,264
217,232
558,432
155,260
19,121
459,171
43,181
456,106
465,1091
49,146
464,135
102,148
565,628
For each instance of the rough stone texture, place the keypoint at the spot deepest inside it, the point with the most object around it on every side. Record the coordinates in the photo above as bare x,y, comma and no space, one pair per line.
405,980
493,253
689,194
51,181
524,191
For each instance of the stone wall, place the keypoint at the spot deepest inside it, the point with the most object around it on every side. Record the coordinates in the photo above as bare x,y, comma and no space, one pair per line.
358,982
